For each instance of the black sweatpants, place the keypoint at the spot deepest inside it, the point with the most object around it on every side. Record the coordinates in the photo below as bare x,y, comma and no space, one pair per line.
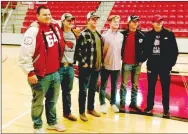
165,83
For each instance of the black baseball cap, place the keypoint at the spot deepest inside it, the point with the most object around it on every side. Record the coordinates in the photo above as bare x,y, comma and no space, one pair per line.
132,17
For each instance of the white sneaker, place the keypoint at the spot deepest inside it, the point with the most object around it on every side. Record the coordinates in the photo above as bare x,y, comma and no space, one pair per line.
40,130
56,127
115,109
104,108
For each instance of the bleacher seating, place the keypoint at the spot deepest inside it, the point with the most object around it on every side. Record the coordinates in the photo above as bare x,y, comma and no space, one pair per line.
12,5
175,14
77,9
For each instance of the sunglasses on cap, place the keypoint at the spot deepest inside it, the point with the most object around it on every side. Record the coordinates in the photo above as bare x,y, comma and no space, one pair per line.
94,19
70,20
135,21
158,21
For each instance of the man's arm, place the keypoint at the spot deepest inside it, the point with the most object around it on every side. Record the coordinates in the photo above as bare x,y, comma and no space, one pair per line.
105,45
174,49
25,60
145,49
79,50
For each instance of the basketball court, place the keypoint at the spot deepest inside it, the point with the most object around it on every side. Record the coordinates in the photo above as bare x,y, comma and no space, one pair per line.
16,104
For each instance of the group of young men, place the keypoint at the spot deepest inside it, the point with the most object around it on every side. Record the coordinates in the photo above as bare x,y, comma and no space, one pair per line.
49,49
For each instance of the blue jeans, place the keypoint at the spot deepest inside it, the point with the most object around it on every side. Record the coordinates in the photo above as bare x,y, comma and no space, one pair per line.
114,74
134,70
67,78
48,87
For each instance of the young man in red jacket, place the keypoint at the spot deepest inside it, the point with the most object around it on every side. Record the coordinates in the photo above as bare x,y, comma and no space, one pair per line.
39,57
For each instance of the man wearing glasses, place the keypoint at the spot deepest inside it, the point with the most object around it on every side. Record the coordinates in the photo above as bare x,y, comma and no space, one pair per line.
90,56
132,56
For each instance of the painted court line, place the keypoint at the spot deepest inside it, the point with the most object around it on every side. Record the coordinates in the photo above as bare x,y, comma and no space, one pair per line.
15,119
184,80
185,83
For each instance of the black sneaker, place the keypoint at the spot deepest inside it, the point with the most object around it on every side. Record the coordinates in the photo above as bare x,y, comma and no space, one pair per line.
148,110
135,107
166,115
122,108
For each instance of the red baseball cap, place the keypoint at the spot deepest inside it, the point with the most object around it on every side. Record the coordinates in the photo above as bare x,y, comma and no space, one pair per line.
157,18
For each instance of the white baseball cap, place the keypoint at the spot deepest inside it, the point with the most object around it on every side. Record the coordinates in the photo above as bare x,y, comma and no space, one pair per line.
67,15
92,14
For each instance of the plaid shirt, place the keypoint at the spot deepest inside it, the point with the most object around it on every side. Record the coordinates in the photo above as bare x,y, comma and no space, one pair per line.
86,49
